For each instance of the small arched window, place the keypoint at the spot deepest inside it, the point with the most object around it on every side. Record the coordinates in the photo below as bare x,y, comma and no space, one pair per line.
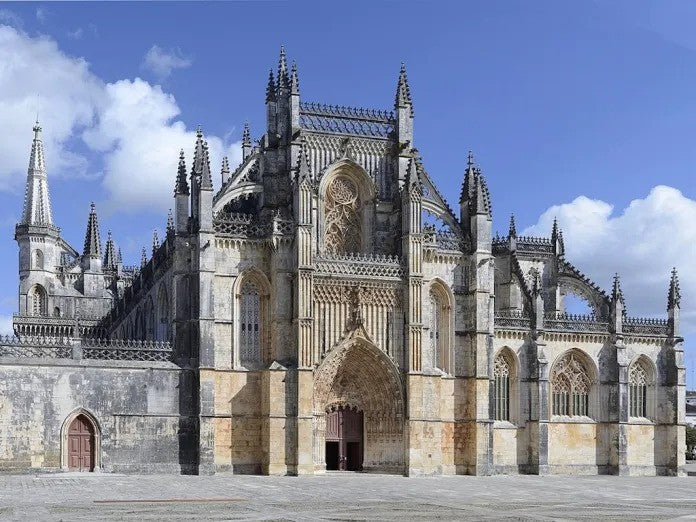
570,387
38,260
38,301
502,375
250,323
640,382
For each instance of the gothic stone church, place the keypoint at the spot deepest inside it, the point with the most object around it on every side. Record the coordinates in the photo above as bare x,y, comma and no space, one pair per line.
326,309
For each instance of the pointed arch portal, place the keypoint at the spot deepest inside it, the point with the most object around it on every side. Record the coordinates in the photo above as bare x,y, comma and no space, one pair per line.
359,387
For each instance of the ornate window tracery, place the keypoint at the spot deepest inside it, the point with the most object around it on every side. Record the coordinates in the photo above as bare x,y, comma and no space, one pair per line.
640,386
38,302
342,219
502,372
570,387
250,323
38,260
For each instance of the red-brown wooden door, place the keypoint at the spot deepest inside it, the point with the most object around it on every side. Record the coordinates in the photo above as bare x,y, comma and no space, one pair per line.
81,445
344,439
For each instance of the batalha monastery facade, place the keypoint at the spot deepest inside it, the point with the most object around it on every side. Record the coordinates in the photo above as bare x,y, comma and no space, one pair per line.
305,317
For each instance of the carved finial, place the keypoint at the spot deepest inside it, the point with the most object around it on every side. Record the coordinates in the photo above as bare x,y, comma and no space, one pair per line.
674,296
470,160
512,232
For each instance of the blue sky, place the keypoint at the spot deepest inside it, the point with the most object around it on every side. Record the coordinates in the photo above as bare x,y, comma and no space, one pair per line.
585,111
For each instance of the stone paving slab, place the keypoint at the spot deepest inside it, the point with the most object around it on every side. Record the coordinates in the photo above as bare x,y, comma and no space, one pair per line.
343,496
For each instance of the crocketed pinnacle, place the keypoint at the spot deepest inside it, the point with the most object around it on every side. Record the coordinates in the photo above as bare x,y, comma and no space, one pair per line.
143,257
92,247
294,80
246,135
554,231
37,203
155,242
512,231
170,222
403,91
674,296
109,252
119,257
468,183
283,79
206,179
198,156
616,293
270,88
182,186
481,200
225,169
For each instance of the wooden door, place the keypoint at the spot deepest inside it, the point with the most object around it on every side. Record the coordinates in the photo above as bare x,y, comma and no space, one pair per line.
81,445
344,439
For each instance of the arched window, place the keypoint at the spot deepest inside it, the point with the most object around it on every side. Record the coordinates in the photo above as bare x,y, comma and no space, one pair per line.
502,375
439,326
38,302
162,328
640,383
149,320
570,387
250,323
342,220
38,260
56,312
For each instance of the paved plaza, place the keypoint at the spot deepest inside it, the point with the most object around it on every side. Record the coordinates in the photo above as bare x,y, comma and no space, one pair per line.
343,496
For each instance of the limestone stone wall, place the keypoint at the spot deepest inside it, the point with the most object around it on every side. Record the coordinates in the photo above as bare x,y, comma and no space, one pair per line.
136,408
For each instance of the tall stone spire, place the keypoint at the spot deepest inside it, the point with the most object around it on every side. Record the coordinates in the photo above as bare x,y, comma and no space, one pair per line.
181,186
92,246
109,253
37,204
283,78
403,91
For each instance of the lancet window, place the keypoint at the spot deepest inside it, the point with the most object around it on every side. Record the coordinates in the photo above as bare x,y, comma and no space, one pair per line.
570,387
439,328
38,260
38,302
250,323
342,221
163,322
640,388
502,373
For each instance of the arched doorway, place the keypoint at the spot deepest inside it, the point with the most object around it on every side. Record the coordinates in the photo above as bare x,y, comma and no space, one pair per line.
344,438
359,404
81,442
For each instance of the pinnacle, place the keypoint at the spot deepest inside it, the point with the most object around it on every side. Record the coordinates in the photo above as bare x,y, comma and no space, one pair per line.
403,91
294,80
270,88
143,258
513,229
181,186
37,203
206,180
109,254
225,170
617,294
92,246
283,80
470,160
155,242
170,222
674,296
246,135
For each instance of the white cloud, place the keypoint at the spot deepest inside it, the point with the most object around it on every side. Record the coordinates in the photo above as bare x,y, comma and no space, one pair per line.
162,62
641,242
41,15
130,122
10,18
76,34
6,325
